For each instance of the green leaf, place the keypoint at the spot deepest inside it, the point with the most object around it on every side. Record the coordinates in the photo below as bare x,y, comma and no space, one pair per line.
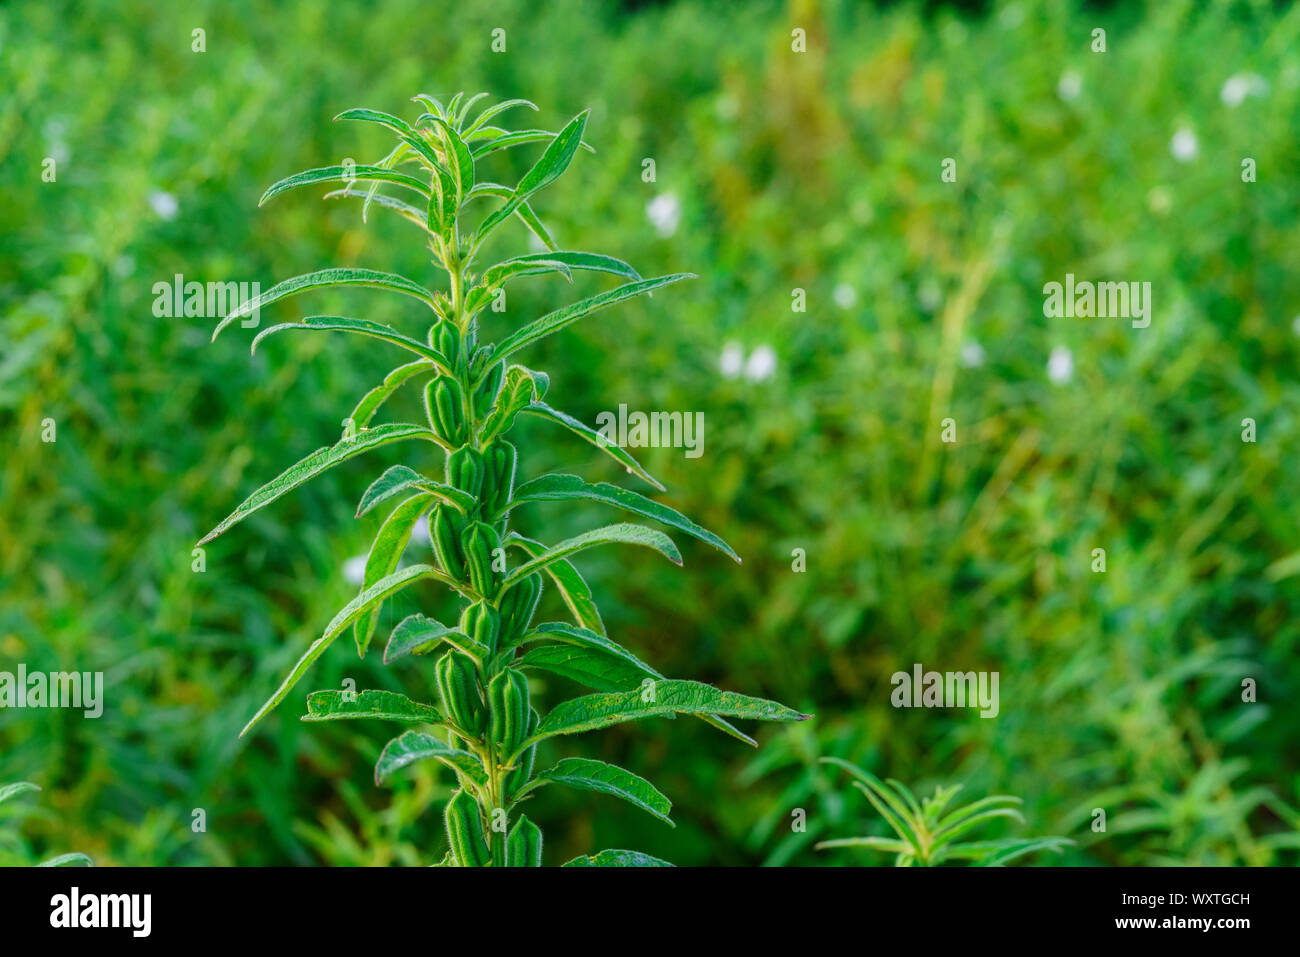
412,746
462,161
669,697
394,123
591,262
586,657
558,487
319,461
557,320
1019,848
502,272
13,790
545,171
399,478
332,278
572,586
75,859
418,635
518,138
617,858
372,400
617,453
365,327
589,775
346,174
886,844
384,705
349,613
496,110
519,387
381,561
623,532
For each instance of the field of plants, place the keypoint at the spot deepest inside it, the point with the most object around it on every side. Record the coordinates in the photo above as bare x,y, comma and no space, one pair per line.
917,466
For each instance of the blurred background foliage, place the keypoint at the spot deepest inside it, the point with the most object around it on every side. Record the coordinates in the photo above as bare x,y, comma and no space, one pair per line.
775,171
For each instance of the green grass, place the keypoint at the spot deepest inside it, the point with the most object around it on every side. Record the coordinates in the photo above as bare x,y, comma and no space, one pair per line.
817,171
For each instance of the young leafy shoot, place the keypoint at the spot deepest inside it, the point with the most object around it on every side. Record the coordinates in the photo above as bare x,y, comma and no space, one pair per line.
926,836
485,727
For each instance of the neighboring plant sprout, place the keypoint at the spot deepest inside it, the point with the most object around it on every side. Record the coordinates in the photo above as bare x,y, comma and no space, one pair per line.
488,728
927,836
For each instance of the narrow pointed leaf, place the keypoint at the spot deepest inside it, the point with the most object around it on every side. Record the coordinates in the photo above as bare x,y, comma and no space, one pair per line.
624,532
518,138
381,561
617,453
346,174
75,859
589,775
365,327
572,586
545,171
333,278
559,487
520,387
557,320
319,461
349,613
8,791
383,705
412,746
591,262
400,478
669,697
405,210
495,110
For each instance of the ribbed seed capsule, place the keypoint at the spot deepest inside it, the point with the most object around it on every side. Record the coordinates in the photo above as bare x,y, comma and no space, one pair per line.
465,470
446,339
509,710
465,831
481,622
457,682
442,398
517,607
499,462
445,529
524,844
479,542
485,392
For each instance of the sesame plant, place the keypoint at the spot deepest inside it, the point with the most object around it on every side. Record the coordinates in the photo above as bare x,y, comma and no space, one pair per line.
485,726
926,836
14,851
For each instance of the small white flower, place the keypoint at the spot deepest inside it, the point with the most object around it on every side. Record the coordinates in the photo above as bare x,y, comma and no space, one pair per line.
354,570
664,213
761,364
1241,85
1069,86
1184,146
164,204
845,296
1060,365
972,354
732,361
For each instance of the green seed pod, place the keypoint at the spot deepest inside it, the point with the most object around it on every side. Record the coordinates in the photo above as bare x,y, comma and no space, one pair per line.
465,469
445,528
465,831
481,622
523,771
499,462
508,710
524,844
517,607
480,360
446,339
485,392
456,678
442,399
478,542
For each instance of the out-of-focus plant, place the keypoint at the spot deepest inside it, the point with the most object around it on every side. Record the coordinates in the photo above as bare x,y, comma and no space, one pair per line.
472,397
14,851
927,836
